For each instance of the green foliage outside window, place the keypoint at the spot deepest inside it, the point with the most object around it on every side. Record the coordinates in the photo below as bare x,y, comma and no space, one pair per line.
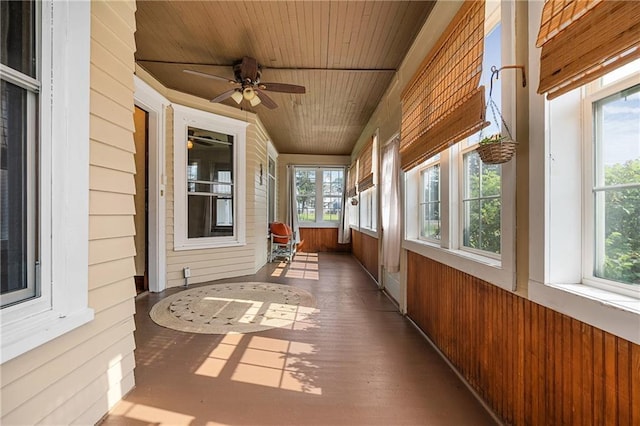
481,204
622,224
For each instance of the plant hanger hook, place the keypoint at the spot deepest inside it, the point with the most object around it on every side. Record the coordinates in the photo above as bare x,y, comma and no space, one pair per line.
495,72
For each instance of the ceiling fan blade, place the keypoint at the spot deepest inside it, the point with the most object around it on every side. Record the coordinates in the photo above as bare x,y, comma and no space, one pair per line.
214,77
283,88
249,68
223,96
266,100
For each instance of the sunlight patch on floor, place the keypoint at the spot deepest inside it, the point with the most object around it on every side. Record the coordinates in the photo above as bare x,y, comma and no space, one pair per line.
151,415
275,363
304,266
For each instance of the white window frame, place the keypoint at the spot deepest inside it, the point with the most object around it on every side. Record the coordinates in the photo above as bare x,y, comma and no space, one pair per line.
272,155
430,163
368,217
185,117
499,271
319,170
556,233
461,220
595,92
64,185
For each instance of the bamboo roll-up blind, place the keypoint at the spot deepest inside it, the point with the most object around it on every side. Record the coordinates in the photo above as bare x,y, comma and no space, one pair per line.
351,181
582,40
445,85
365,166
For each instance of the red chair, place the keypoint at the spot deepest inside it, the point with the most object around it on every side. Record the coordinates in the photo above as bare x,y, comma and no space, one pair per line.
282,241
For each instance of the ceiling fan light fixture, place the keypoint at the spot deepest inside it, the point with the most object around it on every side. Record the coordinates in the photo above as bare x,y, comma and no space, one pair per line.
255,101
237,96
248,93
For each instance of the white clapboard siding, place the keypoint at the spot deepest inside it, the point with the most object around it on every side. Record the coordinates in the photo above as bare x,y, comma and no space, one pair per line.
219,263
78,377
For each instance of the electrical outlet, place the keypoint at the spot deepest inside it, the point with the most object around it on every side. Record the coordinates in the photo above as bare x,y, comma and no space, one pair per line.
187,271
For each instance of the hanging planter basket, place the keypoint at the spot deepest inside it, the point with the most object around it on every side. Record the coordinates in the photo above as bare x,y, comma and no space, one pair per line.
496,149
499,148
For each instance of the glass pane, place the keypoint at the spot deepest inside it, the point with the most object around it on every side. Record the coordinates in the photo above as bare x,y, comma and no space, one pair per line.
617,201
472,224
224,212
331,209
272,199
431,221
15,188
472,166
617,129
490,185
619,257
18,46
209,171
332,182
306,199
272,167
490,230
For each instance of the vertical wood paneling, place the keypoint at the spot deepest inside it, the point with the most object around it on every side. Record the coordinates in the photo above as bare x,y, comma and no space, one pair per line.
532,365
365,249
322,240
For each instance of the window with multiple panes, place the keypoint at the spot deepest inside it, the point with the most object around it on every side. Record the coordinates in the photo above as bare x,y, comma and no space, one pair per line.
19,165
480,195
319,195
430,200
369,209
271,190
614,201
209,183
459,210
480,204
44,153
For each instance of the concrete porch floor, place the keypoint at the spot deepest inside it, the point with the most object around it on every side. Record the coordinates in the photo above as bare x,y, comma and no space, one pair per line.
355,361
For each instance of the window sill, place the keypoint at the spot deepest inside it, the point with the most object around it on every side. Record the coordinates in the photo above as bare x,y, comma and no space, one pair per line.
612,312
22,336
208,245
485,268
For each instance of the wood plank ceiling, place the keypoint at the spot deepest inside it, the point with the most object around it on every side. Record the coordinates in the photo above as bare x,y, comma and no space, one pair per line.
344,52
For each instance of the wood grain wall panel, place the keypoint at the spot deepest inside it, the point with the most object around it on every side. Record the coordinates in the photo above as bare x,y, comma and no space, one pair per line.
365,249
322,240
532,365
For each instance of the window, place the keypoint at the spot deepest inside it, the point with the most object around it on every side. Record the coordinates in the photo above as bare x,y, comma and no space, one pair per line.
319,195
44,157
271,190
209,183
480,204
430,201
583,199
615,189
369,209
209,154
19,219
458,210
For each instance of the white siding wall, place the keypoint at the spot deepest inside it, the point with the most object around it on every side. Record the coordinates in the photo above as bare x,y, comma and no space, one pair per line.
218,263
76,378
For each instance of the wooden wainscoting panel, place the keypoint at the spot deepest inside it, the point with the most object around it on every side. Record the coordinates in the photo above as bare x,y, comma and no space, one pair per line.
365,249
531,364
322,240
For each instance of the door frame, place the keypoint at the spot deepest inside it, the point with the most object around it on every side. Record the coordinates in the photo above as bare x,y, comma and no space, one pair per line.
155,105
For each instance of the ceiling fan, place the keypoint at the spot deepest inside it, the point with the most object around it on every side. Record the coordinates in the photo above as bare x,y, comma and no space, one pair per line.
247,84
